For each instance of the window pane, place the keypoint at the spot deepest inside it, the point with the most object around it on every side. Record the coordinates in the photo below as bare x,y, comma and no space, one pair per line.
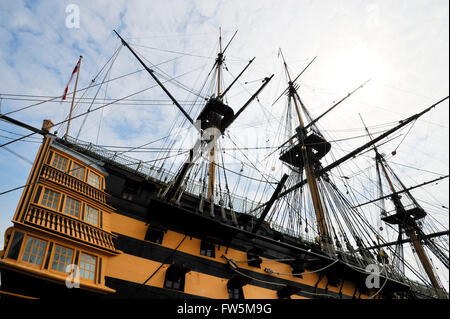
29,244
62,259
50,199
72,207
91,215
34,251
60,162
94,180
77,171
87,266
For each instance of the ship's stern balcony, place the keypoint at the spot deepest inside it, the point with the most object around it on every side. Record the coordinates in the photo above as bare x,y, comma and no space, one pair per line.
56,176
70,228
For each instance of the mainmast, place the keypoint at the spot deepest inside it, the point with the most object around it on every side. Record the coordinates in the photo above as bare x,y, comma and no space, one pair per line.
219,64
214,119
212,153
306,154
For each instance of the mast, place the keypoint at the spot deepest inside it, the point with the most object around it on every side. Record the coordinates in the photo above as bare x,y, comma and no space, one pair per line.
215,115
73,98
311,178
212,153
358,150
409,228
406,220
219,63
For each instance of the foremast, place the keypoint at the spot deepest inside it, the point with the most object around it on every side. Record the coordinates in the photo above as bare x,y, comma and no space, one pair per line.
405,219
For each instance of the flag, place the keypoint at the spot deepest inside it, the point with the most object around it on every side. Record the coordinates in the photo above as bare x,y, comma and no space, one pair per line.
75,70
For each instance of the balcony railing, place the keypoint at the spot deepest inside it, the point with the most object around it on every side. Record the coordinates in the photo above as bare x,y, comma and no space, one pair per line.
55,175
240,204
70,227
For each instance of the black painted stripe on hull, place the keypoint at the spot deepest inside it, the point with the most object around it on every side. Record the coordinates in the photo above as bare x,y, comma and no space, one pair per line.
159,253
131,290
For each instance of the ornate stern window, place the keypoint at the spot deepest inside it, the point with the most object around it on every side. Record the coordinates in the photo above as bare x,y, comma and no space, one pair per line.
16,243
94,180
77,171
62,257
91,215
34,251
87,265
72,207
50,199
60,162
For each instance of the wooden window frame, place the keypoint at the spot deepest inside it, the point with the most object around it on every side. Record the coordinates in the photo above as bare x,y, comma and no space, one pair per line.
65,205
97,258
62,156
70,162
52,258
88,175
58,204
86,213
22,251
61,207
72,170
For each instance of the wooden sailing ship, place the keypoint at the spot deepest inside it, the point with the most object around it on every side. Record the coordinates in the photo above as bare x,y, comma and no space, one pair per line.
92,222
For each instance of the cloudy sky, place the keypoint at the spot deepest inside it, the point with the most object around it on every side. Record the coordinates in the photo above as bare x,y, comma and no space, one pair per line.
401,46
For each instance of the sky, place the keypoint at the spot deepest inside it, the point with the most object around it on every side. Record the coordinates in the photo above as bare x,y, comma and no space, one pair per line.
400,46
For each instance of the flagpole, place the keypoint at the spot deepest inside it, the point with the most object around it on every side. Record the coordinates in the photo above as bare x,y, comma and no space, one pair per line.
73,98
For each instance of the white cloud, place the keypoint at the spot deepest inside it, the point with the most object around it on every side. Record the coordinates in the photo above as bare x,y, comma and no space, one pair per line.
401,46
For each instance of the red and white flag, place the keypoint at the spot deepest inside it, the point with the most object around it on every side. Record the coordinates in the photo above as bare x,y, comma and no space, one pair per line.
75,70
